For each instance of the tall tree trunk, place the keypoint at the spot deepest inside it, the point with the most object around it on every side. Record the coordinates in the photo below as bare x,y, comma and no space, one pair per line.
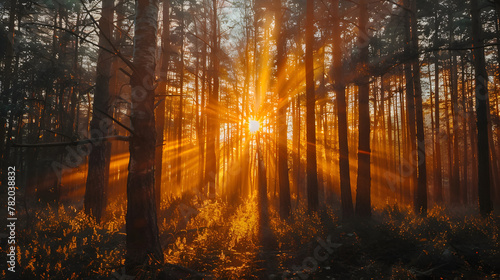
99,157
181,101
162,107
438,188
410,99
204,75
212,119
198,119
142,241
421,191
363,197
312,174
342,129
284,182
295,145
483,157
465,189
265,233
455,171
244,158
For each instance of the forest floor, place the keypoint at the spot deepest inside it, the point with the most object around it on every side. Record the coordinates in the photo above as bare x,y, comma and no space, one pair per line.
213,240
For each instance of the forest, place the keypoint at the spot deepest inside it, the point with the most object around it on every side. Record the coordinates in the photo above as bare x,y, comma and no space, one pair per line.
233,139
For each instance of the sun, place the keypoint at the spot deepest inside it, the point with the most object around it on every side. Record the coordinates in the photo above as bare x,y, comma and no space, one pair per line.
253,125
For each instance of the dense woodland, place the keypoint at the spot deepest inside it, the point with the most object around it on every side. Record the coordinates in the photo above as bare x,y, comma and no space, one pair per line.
218,139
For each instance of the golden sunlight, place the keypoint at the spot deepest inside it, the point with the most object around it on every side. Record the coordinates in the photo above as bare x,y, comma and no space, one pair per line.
253,125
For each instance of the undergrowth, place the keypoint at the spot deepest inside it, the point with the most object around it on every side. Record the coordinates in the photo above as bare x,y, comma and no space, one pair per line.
221,241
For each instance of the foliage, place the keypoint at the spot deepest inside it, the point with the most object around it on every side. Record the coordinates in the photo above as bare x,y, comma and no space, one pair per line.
221,242
58,245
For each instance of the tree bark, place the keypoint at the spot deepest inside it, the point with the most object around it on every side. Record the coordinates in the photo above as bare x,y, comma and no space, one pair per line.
438,188
162,107
410,101
363,197
481,87
212,118
421,191
142,240
99,157
181,101
465,189
455,171
342,129
284,182
312,174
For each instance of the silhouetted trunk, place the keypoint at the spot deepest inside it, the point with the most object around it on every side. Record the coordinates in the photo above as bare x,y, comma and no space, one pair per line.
455,171
244,157
455,174
181,101
342,129
438,188
99,157
483,152
162,106
212,121
198,119
142,240
465,188
410,101
203,116
265,233
421,191
284,183
363,199
312,175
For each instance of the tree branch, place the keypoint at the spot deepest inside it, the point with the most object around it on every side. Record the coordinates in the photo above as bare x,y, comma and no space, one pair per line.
72,143
116,121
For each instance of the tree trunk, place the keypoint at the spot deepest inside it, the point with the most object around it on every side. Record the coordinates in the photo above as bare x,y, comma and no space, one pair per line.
421,191
162,107
142,240
312,175
410,100
455,171
465,189
181,101
284,182
363,199
483,157
212,120
438,188
342,129
99,157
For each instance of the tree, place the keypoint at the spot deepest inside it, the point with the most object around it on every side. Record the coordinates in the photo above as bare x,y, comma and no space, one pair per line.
142,239
284,183
363,196
312,175
481,88
438,188
421,188
181,99
99,157
162,95
342,129
410,97
212,118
